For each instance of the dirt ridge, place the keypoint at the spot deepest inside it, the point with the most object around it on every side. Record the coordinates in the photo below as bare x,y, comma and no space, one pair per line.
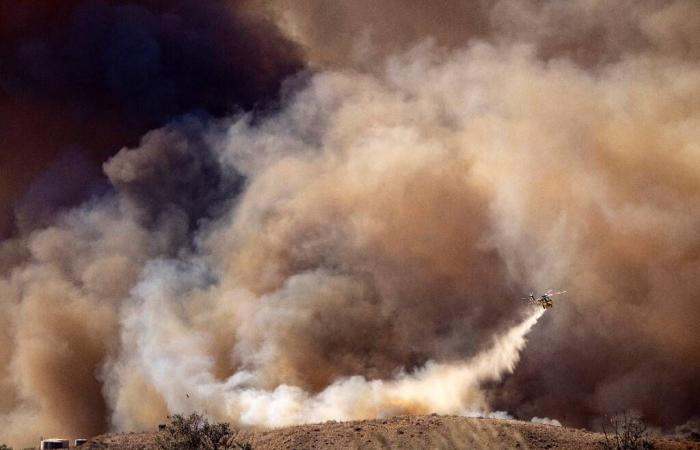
404,432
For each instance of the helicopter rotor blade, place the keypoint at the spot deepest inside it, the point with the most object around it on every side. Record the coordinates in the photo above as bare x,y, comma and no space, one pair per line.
557,293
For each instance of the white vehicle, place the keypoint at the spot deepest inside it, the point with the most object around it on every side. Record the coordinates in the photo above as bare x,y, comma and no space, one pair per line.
50,444
79,442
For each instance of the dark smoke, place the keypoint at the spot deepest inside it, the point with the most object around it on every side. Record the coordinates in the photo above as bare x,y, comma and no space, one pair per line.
173,177
79,79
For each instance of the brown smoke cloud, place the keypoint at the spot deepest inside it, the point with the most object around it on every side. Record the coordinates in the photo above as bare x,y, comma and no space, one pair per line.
362,33
378,232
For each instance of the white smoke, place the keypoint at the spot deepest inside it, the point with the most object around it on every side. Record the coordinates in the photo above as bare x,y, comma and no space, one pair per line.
546,421
444,388
177,364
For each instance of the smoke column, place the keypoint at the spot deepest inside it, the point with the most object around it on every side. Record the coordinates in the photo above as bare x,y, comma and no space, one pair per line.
361,230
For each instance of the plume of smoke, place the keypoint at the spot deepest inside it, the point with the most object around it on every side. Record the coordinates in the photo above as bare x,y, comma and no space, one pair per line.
482,204
178,362
404,193
383,220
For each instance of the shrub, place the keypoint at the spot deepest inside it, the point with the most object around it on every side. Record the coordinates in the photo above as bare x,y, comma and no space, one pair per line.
5,447
194,432
628,432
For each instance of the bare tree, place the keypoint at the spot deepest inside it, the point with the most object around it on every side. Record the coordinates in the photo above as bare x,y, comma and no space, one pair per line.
628,432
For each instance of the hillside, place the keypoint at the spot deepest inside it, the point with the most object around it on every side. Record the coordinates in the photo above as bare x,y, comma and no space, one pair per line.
404,432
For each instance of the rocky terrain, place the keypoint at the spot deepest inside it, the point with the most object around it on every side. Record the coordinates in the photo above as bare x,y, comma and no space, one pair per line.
405,432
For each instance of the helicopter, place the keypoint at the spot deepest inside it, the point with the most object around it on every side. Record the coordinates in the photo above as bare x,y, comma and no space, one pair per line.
545,300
